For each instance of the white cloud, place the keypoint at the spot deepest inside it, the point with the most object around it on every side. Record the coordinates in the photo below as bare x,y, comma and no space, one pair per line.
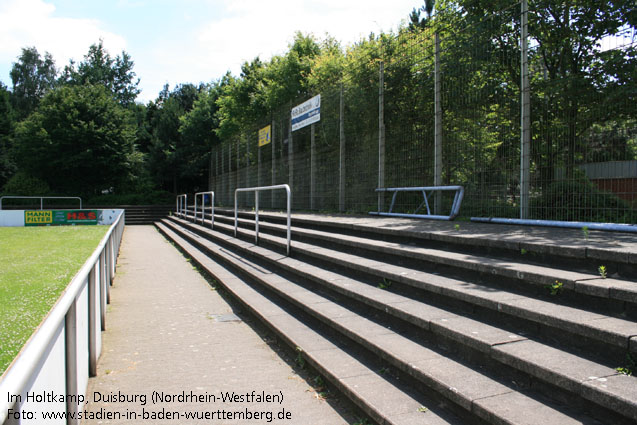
26,23
250,28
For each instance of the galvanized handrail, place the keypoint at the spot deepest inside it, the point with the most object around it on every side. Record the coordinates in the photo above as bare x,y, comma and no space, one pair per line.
203,207
26,366
455,207
41,198
182,205
256,191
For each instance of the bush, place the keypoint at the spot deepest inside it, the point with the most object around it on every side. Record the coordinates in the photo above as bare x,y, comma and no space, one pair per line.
23,184
580,200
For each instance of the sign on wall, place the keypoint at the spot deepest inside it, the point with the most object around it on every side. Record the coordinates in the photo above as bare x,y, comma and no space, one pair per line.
59,217
306,113
265,135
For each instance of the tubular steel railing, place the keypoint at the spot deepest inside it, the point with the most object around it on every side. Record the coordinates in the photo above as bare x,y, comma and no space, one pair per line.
182,205
37,359
203,207
256,191
455,206
41,198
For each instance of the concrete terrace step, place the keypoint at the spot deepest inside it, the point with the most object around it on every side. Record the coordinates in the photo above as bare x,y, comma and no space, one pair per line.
583,283
569,372
566,243
587,325
464,387
374,394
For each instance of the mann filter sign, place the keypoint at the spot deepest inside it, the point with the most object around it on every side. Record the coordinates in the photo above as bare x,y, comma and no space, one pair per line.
60,217
306,113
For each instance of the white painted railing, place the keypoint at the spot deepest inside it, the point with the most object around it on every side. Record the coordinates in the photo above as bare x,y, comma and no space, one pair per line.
62,353
256,191
203,207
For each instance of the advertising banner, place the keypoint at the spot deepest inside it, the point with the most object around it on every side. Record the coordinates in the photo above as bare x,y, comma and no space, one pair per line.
60,217
306,113
265,135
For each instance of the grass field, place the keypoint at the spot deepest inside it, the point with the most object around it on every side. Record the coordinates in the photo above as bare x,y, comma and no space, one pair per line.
36,264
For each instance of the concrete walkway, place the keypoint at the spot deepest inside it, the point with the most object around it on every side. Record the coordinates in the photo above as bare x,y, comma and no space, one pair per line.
173,347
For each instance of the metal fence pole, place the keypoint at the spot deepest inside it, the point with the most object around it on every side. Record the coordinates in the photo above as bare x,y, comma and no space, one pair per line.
525,130
341,160
273,161
438,127
312,168
290,154
381,134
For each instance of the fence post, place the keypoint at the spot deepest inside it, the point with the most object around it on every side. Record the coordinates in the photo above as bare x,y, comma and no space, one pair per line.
525,120
341,158
248,162
438,127
381,135
273,162
290,154
312,168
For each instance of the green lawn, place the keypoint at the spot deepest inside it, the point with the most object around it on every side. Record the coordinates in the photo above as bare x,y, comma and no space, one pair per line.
36,264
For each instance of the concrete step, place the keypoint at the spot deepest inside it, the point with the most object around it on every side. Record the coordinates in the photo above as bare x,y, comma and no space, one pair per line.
463,387
554,245
573,375
377,396
584,328
620,295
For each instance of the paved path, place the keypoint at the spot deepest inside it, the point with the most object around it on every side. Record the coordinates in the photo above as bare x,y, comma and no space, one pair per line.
169,332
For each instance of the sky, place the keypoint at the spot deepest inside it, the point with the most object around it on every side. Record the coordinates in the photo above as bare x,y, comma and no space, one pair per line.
184,41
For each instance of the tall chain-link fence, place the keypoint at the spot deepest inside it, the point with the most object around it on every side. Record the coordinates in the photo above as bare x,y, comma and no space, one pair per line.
444,106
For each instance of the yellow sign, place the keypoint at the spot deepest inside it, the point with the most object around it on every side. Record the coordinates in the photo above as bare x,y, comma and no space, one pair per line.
265,135
38,217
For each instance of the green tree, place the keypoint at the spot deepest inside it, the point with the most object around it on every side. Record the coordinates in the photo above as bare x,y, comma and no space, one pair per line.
164,117
197,129
7,164
32,77
98,67
79,141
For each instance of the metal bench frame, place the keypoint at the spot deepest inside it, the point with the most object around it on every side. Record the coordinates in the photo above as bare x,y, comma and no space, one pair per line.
455,207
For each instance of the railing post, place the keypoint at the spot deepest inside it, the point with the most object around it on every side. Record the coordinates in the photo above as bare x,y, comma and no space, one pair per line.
289,222
70,354
212,218
256,216
235,213
103,289
92,321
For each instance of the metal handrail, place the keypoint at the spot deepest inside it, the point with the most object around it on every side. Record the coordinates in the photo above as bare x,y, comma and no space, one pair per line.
203,207
41,198
182,205
27,364
256,191
455,206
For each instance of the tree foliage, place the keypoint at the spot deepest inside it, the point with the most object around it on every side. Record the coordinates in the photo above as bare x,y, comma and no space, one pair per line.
98,67
79,141
32,76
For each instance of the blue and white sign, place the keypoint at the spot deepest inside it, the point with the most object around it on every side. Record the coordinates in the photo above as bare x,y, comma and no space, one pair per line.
306,113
